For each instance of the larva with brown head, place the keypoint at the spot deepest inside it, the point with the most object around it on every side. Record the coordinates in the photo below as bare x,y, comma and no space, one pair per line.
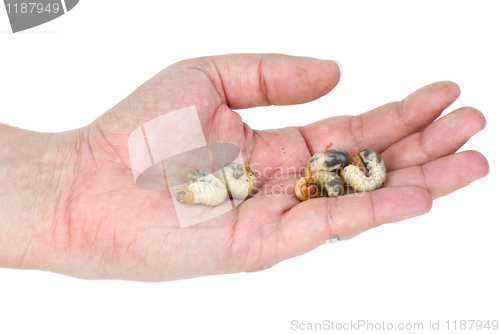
321,177
204,188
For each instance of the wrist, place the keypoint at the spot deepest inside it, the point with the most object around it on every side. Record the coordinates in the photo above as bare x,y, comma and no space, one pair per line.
36,175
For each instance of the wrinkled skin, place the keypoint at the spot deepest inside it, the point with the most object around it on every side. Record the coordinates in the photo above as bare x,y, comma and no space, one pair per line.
91,221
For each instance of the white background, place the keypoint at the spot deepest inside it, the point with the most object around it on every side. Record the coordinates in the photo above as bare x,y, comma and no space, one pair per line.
440,266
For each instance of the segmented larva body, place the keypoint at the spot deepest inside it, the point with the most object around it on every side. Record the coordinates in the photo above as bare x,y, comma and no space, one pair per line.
208,194
203,189
240,183
302,190
355,177
321,177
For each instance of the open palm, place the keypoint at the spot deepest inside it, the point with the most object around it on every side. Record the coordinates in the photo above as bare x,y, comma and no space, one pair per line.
111,223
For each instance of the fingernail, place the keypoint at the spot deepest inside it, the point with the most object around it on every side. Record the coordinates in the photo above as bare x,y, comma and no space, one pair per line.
340,68
332,240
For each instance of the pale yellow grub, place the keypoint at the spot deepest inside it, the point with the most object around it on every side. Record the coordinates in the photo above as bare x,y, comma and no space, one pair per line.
355,177
240,187
208,191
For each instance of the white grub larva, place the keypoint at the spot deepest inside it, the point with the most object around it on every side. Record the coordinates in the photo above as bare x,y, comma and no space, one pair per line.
319,184
239,181
321,177
355,177
305,188
204,188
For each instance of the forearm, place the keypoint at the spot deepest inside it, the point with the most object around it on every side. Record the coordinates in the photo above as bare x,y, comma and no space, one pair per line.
35,179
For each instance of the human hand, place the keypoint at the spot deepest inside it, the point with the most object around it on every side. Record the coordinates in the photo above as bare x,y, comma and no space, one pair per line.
98,221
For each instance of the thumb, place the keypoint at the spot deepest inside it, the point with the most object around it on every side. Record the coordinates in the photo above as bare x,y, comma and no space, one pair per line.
252,80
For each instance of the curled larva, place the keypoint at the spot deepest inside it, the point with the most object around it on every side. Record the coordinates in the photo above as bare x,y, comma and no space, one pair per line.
319,184
239,181
305,190
355,177
321,177
204,188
